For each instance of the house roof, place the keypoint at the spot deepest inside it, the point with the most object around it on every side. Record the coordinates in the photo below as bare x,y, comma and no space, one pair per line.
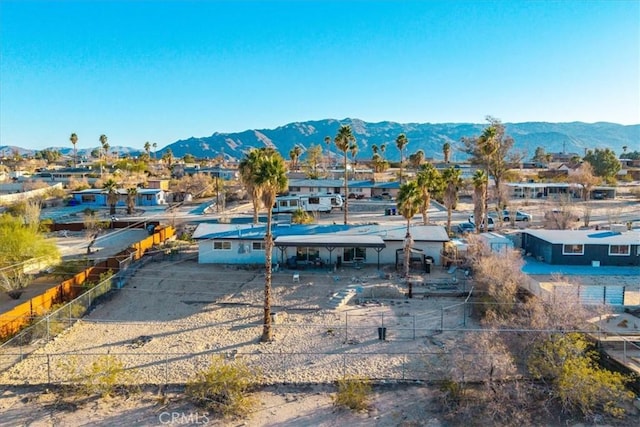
339,241
586,237
419,233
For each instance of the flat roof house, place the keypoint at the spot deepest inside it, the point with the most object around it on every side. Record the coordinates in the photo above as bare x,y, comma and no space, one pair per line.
315,244
583,247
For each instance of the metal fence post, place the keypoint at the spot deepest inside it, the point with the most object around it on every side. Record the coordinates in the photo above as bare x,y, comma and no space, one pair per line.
48,370
441,319
344,365
346,327
166,369
414,327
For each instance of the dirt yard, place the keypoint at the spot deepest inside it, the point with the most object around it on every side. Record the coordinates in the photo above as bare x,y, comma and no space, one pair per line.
172,317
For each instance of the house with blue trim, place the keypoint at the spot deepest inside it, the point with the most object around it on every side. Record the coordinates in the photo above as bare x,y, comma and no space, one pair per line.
583,247
96,197
316,244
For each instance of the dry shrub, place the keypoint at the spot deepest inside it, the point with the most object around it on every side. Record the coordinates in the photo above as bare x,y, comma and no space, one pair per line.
224,388
353,393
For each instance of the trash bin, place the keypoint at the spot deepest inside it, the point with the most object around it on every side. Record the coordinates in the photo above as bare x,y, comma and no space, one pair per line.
274,318
427,267
393,211
387,211
339,261
382,334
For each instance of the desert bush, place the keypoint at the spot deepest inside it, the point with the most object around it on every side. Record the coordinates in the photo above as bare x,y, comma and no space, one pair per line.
569,363
106,376
353,393
224,388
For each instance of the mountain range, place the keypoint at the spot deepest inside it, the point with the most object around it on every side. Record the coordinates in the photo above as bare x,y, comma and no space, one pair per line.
574,137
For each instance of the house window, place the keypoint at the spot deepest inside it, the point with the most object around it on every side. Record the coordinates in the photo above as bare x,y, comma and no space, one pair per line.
222,246
354,254
307,254
620,250
294,189
572,249
258,246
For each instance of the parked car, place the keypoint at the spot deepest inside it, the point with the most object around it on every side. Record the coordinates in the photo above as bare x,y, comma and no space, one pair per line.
383,196
465,227
492,222
519,216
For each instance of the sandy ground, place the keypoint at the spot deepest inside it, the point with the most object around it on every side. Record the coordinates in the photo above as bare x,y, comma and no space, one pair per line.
187,312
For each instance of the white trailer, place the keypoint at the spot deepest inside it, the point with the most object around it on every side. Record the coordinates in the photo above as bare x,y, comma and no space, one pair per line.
308,203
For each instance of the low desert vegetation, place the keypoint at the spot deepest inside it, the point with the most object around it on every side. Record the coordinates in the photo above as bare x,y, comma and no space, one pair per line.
224,388
105,377
353,393
534,360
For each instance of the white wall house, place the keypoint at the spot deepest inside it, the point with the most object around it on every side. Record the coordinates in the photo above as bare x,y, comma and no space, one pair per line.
315,244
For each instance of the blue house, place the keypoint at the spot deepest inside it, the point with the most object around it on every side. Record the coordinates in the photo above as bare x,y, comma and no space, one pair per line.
583,247
98,197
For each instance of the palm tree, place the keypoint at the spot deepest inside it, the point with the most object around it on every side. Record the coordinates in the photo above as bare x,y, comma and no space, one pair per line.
131,199
247,169
147,149
409,201
74,141
401,142
294,155
624,149
327,141
112,194
452,179
105,147
353,150
480,184
446,151
271,179
155,146
430,183
344,140
383,148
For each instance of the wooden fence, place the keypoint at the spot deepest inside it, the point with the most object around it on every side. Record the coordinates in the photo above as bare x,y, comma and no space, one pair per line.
14,320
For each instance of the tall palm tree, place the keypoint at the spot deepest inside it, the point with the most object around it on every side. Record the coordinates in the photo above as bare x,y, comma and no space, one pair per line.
112,194
74,141
147,149
446,151
480,199
105,147
409,201
131,199
271,179
383,149
344,140
294,155
327,141
155,146
401,142
247,168
452,180
353,150
430,183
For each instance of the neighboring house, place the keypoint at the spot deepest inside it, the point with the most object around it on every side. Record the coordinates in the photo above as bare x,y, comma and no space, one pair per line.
583,247
557,190
315,244
98,197
361,188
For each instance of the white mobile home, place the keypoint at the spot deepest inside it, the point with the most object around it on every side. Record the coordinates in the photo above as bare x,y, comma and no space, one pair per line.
308,203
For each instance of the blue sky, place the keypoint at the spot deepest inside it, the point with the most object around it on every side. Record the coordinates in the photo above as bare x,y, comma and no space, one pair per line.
161,71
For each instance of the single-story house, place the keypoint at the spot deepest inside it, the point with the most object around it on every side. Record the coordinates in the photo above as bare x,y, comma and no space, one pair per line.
557,190
315,244
583,247
98,197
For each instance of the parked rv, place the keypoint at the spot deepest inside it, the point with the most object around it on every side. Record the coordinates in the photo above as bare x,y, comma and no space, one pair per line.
308,203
